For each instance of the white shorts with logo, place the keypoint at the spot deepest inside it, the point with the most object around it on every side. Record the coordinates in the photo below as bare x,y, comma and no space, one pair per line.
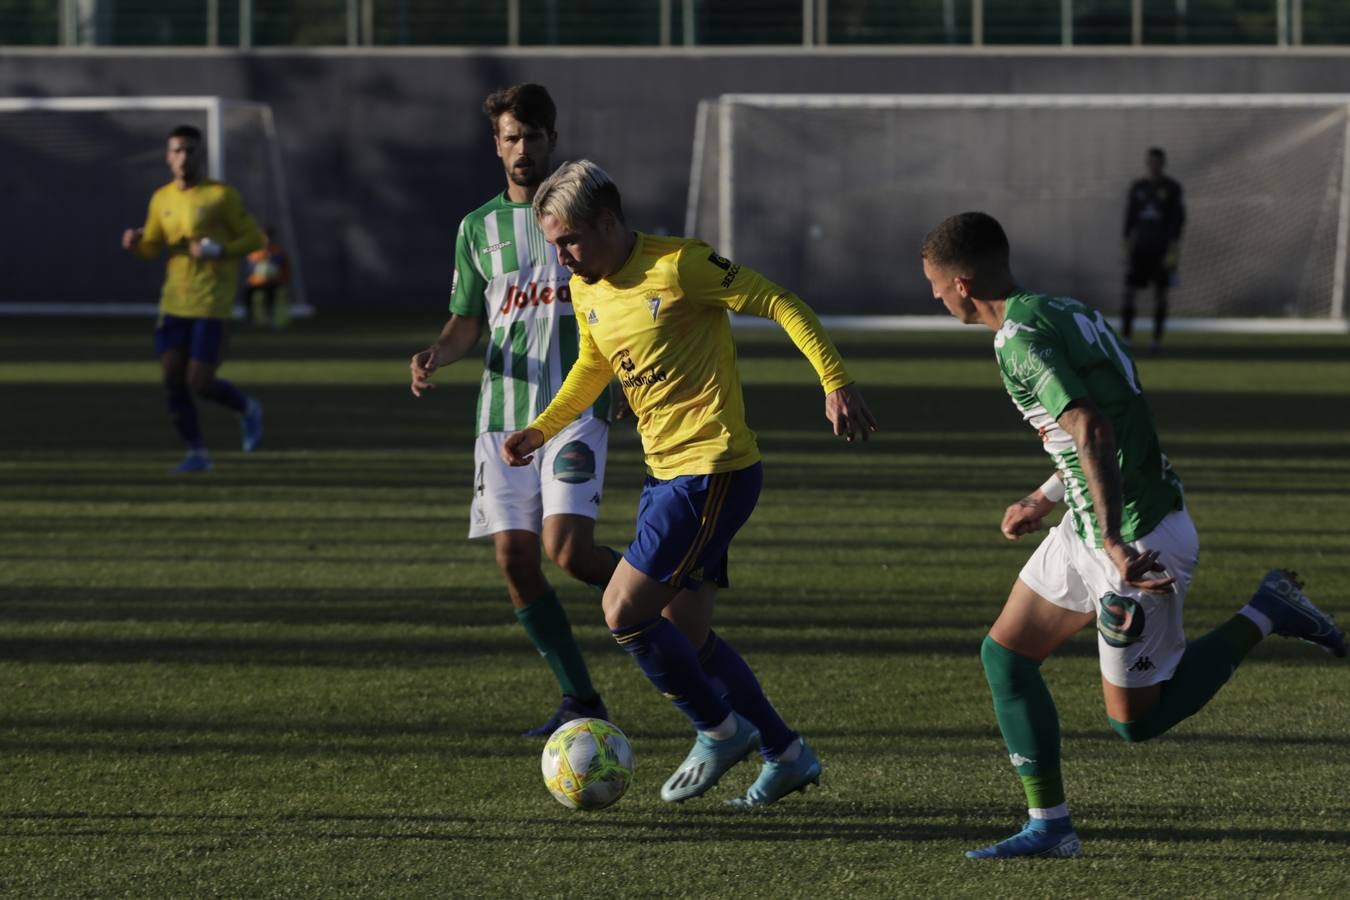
566,477
1140,637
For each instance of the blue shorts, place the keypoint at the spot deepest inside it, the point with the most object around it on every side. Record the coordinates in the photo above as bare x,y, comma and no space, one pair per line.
202,339
685,524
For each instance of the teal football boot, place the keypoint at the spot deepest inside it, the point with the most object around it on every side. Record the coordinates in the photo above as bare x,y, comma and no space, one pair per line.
708,761
778,779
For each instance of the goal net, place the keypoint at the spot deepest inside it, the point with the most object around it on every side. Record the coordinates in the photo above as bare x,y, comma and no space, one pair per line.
832,195
76,171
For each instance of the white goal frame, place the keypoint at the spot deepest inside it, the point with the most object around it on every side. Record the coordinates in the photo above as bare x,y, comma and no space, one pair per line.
724,108
214,107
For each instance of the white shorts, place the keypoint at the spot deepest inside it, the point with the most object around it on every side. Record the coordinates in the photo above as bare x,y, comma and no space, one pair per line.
1140,638
566,477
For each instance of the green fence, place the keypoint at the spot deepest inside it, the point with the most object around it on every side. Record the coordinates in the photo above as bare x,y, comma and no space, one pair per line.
479,23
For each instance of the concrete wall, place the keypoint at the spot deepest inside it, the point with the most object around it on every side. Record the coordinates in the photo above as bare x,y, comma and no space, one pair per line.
386,150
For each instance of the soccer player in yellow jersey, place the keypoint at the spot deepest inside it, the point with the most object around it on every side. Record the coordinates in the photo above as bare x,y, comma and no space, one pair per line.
653,311
203,227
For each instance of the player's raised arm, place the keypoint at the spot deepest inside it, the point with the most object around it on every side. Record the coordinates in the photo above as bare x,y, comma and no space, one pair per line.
718,280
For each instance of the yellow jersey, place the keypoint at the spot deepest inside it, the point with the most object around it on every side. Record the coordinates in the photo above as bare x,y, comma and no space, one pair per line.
199,288
660,325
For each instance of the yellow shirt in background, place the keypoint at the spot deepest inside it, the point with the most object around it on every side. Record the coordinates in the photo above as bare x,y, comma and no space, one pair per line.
660,324
199,288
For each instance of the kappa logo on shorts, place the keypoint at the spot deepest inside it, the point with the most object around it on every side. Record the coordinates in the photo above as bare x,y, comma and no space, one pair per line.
575,463
1142,664
1121,620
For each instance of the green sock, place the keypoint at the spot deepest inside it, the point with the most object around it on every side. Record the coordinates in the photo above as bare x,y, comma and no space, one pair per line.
546,623
1029,721
1206,666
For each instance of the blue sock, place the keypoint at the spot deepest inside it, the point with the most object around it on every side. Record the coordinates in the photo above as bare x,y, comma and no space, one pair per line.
183,415
669,662
226,394
737,684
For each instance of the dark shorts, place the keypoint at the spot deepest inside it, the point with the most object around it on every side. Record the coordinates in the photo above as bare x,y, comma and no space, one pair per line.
685,525
1148,267
201,339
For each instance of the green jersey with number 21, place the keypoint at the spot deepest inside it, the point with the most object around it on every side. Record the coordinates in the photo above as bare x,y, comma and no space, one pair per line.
1052,351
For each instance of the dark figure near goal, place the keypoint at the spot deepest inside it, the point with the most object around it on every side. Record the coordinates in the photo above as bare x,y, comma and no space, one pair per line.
1154,216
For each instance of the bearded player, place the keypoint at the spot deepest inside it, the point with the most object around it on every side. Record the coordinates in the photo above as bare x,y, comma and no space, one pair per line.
508,285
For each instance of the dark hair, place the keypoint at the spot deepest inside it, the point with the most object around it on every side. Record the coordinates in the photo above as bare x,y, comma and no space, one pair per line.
189,132
529,103
1158,152
967,241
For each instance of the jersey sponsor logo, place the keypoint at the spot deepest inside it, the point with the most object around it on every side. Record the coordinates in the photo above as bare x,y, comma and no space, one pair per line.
533,294
493,248
644,379
654,306
1121,620
1030,366
724,264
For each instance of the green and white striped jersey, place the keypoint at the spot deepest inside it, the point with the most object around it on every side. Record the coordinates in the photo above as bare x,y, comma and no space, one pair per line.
507,272
1054,350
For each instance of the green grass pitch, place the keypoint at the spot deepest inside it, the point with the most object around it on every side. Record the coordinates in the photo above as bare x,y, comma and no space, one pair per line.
295,677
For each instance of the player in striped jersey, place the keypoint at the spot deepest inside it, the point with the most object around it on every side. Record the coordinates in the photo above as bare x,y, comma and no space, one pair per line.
508,284
203,227
1123,556
653,311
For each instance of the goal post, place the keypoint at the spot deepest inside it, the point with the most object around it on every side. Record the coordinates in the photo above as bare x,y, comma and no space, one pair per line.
78,170
832,194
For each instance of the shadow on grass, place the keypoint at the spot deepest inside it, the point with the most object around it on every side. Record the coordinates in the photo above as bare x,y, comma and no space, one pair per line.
419,652
806,820
450,737
376,417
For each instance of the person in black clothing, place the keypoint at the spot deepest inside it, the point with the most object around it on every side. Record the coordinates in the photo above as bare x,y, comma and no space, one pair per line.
1154,215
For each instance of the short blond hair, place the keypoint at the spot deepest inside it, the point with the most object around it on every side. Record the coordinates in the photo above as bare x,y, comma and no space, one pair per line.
577,193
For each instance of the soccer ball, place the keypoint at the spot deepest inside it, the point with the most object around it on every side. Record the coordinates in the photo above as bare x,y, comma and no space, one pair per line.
587,764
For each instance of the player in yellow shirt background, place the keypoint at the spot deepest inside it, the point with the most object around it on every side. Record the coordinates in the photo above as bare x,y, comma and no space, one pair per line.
653,311
202,226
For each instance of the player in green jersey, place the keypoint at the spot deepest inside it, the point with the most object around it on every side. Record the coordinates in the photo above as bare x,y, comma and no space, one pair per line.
1125,552
510,285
